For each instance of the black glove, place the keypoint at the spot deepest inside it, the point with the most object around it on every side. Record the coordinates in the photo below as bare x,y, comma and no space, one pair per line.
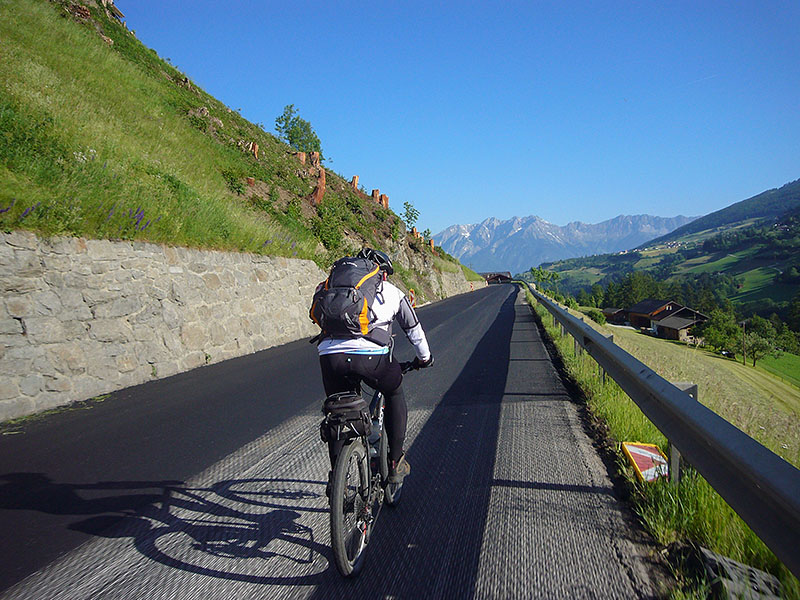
422,364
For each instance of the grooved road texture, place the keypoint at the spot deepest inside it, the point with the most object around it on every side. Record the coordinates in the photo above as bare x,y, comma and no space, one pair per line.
507,498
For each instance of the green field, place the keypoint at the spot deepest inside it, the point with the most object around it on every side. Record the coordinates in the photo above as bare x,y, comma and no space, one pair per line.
758,403
786,367
584,277
721,262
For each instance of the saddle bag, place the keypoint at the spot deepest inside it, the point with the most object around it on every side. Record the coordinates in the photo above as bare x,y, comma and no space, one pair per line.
346,416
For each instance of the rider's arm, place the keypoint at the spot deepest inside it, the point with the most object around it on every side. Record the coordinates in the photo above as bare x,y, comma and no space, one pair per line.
409,323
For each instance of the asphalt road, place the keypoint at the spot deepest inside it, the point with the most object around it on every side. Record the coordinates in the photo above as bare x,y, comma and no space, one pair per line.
210,484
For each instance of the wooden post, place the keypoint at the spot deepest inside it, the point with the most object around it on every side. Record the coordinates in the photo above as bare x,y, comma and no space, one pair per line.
744,349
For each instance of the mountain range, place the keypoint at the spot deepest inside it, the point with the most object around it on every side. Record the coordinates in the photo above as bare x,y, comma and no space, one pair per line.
520,243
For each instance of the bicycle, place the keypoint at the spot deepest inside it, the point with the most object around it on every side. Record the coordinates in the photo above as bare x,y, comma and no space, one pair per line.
359,484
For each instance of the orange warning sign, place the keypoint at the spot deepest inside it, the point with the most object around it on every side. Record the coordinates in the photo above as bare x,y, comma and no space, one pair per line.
647,459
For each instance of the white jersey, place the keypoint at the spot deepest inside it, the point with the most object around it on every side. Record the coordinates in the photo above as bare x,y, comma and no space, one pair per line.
390,304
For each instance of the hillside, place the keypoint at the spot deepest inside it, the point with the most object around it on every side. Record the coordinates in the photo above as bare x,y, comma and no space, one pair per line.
520,243
101,138
755,264
766,205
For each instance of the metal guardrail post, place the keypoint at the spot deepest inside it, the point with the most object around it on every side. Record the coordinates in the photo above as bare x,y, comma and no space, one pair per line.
601,370
674,452
761,487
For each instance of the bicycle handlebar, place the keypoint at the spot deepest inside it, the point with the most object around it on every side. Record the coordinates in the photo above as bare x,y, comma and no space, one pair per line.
414,365
407,366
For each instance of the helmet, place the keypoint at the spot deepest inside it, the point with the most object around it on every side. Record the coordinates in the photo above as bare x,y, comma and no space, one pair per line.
377,256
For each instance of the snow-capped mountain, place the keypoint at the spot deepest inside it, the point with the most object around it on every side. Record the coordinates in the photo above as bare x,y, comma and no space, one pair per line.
518,244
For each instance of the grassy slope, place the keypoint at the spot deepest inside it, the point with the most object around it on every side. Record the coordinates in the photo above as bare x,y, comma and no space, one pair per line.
87,130
770,203
758,403
109,142
755,263
754,266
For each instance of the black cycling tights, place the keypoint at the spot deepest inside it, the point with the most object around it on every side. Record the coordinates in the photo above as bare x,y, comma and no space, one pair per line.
377,371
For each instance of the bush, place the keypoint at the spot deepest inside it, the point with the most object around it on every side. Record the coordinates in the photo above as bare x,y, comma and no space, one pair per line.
233,181
595,315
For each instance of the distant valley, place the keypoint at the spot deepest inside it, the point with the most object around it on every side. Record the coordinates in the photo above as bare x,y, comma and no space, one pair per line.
518,244
748,253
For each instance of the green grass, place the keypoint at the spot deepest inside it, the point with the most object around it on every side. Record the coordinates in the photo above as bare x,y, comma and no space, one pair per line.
761,405
110,142
722,262
764,407
759,284
446,265
17,426
585,277
89,150
786,367
471,275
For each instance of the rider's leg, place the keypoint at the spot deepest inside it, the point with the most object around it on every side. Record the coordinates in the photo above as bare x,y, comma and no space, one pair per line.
396,421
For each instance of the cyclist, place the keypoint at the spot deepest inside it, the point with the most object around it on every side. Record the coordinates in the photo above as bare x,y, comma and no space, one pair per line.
342,359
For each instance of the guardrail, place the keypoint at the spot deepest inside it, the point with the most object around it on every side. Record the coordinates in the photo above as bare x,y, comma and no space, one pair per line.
759,485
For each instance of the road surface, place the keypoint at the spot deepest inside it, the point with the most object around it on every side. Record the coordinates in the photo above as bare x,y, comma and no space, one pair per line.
210,484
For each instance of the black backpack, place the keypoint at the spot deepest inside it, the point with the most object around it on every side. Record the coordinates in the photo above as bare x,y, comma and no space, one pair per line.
342,307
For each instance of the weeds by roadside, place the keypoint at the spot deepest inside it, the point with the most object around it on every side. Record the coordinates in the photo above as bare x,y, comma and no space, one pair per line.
688,513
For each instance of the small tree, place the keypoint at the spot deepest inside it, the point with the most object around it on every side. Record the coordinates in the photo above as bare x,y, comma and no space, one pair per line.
297,132
427,234
721,332
410,215
758,347
598,294
584,298
760,339
544,276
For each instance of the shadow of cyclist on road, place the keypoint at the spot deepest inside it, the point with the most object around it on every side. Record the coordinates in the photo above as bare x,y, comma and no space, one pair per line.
189,529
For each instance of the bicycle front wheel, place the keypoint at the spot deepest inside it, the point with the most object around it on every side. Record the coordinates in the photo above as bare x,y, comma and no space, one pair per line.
350,518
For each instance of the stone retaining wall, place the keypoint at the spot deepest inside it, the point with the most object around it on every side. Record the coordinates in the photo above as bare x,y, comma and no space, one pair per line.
80,317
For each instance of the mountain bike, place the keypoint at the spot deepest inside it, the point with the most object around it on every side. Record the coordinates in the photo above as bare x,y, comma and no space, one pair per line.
359,481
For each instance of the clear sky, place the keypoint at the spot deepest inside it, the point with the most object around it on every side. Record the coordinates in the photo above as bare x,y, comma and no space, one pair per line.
572,111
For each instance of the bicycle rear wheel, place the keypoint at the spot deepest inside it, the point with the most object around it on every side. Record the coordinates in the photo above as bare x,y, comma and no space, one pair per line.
350,521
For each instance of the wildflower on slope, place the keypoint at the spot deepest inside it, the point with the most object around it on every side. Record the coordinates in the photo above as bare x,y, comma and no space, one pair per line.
9,207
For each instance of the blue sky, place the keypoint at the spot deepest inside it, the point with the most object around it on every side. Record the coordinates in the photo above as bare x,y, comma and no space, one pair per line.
572,111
